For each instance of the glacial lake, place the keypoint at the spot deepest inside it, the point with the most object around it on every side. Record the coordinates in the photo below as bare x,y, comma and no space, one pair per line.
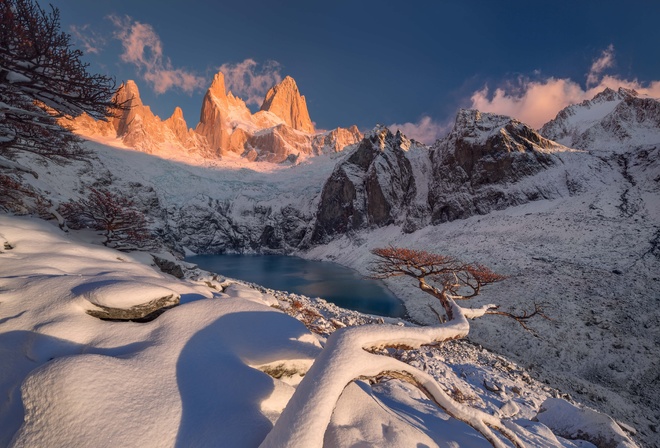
330,281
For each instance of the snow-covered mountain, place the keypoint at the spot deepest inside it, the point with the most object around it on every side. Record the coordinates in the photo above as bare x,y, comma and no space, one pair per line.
612,121
491,162
487,162
574,223
281,131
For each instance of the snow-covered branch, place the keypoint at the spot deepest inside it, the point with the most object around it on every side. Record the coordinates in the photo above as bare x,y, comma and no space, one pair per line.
347,357
351,353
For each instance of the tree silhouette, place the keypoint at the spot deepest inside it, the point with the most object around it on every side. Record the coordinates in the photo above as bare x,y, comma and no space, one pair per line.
124,226
42,78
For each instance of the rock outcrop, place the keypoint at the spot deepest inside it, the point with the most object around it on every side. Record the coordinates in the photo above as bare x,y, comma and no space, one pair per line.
371,188
336,140
284,100
138,127
480,166
145,312
187,137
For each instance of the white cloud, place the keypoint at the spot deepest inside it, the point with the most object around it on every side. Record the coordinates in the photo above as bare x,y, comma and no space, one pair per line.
537,102
606,60
250,81
143,48
91,42
425,130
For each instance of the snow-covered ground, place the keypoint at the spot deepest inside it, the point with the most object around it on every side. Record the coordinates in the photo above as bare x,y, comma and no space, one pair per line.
596,270
218,369
179,177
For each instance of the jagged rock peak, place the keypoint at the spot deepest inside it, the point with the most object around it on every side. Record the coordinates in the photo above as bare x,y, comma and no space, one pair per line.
217,87
381,137
177,114
471,121
178,124
129,93
572,122
284,100
498,132
611,95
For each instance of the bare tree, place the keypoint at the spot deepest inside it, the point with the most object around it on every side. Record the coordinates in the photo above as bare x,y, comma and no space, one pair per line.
42,78
123,225
445,278
356,353
18,197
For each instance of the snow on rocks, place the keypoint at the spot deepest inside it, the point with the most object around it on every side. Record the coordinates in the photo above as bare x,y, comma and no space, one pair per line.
121,293
573,422
218,369
126,300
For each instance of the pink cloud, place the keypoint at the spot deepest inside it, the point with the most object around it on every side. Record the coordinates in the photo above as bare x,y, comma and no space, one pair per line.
425,130
537,102
143,48
250,81
606,60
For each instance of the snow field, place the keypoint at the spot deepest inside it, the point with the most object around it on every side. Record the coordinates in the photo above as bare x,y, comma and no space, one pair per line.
195,375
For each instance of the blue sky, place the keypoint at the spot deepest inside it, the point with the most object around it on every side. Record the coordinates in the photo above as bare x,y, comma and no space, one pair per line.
366,62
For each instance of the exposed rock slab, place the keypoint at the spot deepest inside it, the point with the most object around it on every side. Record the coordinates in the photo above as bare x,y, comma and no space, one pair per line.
141,313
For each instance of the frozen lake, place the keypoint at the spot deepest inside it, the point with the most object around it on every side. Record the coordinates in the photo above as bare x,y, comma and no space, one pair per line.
330,281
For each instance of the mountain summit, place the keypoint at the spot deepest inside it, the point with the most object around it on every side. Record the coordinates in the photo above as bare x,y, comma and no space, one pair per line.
281,131
285,101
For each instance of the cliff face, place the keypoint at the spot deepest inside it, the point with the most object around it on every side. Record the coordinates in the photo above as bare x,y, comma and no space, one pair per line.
281,132
488,162
284,100
223,115
139,128
371,188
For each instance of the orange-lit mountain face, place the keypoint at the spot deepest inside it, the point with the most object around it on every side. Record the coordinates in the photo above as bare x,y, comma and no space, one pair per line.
281,131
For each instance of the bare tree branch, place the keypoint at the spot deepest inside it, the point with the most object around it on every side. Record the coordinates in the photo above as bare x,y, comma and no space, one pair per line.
42,78
524,317
124,226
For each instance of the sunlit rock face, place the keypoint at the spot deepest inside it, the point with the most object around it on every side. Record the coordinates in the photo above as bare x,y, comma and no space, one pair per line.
284,100
224,115
86,125
188,138
336,140
137,126
281,132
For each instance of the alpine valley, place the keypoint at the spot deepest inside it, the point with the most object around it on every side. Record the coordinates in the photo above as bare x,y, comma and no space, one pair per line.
570,213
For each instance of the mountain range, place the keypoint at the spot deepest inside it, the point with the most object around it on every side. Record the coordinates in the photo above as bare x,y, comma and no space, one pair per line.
280,131
569,212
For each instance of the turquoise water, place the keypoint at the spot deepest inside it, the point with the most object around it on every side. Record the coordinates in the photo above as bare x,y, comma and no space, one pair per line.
330,281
